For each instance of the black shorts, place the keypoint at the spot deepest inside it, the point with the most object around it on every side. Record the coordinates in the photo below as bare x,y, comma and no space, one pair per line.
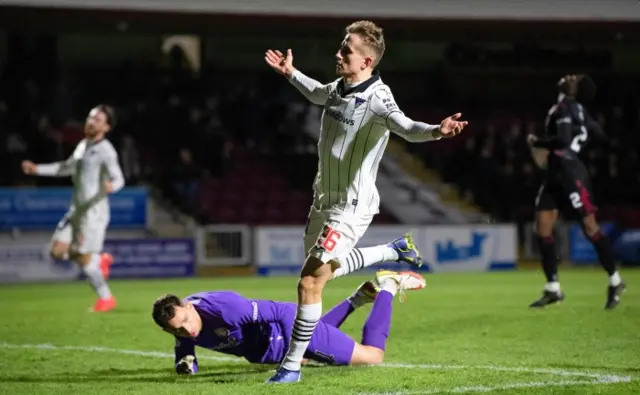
567,188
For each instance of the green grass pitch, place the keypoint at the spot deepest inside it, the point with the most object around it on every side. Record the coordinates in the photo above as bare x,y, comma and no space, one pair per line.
464,333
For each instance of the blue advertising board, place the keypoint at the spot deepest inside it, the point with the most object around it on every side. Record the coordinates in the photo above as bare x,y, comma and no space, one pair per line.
42,208
279,250
580,248
29,261
627,247
148,258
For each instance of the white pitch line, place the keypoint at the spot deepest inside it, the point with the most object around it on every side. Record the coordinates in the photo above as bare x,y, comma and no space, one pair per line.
500,387
140,353
521,369
596,378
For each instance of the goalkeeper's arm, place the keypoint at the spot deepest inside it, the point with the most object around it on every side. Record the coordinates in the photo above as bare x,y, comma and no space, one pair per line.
185,356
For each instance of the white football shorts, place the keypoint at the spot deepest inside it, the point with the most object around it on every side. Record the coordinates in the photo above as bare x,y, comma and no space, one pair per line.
85,233
333,233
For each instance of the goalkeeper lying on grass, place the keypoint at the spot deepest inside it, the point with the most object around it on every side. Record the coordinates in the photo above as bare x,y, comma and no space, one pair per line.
257,330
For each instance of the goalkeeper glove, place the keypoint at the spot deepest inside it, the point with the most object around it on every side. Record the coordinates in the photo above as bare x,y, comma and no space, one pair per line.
187,365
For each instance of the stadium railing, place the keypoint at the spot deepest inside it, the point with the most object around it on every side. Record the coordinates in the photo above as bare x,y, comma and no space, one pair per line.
224,245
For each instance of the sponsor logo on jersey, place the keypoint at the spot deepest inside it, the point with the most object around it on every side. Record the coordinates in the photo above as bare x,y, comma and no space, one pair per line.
341,118
254,315
389,104
222,332
229,343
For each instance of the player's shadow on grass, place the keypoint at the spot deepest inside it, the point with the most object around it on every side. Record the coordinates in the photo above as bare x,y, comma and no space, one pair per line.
227,373
215,374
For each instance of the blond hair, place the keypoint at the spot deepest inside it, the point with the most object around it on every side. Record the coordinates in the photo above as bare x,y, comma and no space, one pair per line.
372,36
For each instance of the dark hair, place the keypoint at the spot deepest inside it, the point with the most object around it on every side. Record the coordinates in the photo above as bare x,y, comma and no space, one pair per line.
164,309
579,86
586,89
109,112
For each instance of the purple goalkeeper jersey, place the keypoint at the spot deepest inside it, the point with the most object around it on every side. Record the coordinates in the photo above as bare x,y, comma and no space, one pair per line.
256,330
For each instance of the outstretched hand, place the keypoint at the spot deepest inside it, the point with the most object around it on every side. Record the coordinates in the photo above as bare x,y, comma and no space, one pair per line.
450,126
539,155
28,167
281,63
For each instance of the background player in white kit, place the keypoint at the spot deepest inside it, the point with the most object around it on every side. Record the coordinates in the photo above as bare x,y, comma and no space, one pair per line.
359,111
95,172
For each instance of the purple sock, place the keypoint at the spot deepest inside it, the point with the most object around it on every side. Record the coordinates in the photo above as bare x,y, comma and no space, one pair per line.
376,328
337,315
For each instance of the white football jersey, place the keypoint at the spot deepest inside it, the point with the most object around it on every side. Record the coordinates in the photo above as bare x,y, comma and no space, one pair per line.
354,133
90,165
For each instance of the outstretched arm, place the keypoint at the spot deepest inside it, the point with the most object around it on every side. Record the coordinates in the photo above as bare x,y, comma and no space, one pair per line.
56,169
412,131
385,107
313,90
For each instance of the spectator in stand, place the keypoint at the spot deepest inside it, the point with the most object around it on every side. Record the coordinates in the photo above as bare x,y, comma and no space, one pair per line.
186,178
130,159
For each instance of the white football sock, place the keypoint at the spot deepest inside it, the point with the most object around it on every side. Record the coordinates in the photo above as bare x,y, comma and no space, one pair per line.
94,274
390,285
359,258
553,286
303,327
614,279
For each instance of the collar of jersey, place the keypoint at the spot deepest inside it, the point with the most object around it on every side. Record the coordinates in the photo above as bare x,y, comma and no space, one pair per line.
94,143
375,76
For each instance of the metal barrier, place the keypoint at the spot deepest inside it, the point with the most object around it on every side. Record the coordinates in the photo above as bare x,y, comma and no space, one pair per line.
224,245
